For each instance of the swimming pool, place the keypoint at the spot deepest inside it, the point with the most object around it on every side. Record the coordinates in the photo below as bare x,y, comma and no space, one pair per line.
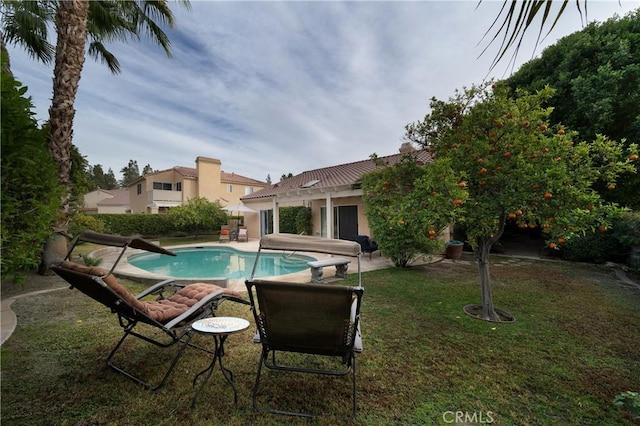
218,262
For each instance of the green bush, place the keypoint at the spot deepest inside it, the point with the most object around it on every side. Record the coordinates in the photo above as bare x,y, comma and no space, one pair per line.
303,221
145,225
394,212
30,191
613,245
627,229
291,223
82,222
596,247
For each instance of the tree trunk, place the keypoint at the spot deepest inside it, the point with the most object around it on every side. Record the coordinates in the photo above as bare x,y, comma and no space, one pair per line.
71,29
6,64
482,258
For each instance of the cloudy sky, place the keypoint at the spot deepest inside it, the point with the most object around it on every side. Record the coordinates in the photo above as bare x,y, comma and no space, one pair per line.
277,87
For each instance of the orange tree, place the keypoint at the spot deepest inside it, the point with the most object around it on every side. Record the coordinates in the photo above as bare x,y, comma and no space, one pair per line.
395,215
514,165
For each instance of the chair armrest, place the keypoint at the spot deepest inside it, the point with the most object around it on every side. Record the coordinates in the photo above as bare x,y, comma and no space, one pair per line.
204,301
158,286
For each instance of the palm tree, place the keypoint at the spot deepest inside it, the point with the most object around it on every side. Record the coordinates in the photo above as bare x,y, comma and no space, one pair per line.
518,16
76,21
71,28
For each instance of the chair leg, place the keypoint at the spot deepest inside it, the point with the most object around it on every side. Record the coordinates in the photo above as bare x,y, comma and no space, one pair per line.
183,345
353,368
257,384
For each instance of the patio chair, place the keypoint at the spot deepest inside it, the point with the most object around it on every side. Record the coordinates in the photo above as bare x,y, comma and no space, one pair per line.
172,311
242,235
320,320
367,244
225,234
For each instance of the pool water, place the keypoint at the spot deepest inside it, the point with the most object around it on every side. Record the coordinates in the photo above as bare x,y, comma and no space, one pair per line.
218,262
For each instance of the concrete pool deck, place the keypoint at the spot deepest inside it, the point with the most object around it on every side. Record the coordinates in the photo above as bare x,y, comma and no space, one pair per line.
110,255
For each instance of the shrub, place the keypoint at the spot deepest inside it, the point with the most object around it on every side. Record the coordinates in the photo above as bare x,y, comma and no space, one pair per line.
303,221
290,223
82,222
395,212
146,225
597,247
30,191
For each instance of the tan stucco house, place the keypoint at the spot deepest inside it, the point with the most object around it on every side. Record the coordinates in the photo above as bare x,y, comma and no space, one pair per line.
334,195
159,191
114,201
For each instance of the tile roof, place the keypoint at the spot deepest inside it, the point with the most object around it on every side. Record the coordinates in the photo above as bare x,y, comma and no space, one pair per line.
241,180
340,175
191,172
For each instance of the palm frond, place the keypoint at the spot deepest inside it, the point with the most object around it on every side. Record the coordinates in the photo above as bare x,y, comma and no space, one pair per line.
514,21
25,24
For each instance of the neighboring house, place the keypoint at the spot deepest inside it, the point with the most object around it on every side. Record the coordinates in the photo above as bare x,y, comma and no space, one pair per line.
159,191
107,201
334,195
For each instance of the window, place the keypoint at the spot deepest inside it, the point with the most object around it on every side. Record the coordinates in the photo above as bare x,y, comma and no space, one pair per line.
163,185
139,189
248,190
179,186
229,188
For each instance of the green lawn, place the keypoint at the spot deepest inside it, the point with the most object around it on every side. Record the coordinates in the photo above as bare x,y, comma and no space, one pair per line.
573,348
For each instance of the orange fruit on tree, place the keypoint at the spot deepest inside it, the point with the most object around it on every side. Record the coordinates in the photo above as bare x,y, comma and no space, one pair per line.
507,154
512,215
462,184
561,132
547,195
519,212
561,240
480,160
552,245
543,127
525,123
458,202
602,228
633,157
535,186
611,187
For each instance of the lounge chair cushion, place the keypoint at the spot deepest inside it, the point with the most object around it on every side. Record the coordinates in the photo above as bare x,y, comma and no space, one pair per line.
180,302
160,310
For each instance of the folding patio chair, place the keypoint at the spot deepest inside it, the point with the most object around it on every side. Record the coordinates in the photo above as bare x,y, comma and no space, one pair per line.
316,319
173,309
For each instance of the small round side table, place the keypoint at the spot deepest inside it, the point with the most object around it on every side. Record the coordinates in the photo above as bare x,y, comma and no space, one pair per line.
220,328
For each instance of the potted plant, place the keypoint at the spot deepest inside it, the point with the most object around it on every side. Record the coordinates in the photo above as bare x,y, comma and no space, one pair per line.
454,249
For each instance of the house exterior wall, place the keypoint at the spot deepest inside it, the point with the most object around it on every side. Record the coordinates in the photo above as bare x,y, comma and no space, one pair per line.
91,199
189,190
252,221
112,209
148,195
208,184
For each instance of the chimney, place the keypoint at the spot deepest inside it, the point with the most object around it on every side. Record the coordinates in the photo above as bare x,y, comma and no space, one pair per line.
406,148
